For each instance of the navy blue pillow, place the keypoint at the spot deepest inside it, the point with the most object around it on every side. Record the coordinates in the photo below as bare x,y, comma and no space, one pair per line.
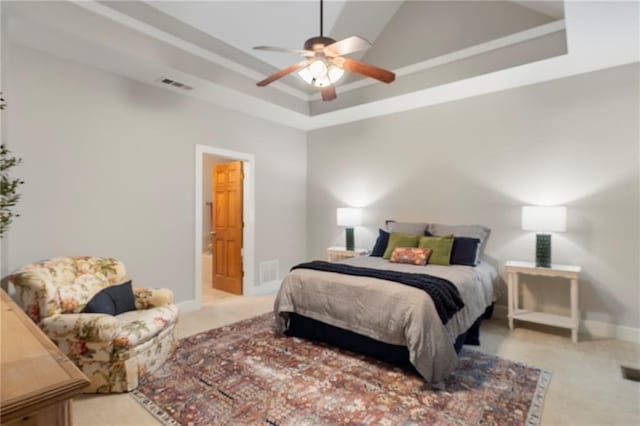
113,300
465,251
381,244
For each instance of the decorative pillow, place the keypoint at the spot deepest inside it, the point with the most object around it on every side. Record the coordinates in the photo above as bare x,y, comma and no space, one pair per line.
441,247
466,251
400,240
410,255
113,300
381,244
411,228
471,231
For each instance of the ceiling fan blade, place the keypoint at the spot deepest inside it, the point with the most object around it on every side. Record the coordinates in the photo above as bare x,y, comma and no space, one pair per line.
365,69
283,72
285,50
329,93
346,46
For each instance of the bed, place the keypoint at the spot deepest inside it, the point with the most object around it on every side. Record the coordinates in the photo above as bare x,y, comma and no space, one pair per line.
390,320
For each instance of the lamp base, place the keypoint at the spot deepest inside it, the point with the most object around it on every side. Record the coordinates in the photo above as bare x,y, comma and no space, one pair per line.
543,250
349,233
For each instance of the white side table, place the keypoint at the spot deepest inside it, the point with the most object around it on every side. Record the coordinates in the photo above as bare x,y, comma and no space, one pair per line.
336,254
514,268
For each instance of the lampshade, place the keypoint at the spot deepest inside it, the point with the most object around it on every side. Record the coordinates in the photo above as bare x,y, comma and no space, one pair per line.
349,217
544,219
319,74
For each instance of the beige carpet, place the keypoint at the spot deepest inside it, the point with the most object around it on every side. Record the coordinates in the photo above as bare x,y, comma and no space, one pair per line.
587,387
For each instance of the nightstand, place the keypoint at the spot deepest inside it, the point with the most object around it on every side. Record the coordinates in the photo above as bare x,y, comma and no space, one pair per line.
514,268
336,254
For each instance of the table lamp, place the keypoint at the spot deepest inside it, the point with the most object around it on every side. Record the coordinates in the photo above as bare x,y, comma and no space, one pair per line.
349,217
544,220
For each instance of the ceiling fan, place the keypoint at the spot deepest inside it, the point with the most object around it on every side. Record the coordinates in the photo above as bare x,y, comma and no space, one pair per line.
324,62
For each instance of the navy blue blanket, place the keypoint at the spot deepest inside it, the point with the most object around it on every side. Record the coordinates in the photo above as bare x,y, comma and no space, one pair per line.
444,294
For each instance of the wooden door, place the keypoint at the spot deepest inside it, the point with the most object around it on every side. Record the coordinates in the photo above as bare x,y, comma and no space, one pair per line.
227,220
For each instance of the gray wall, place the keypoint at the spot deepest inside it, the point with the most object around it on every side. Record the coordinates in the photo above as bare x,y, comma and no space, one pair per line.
109,166
570,142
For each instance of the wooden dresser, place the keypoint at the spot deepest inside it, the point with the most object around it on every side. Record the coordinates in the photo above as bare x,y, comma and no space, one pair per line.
37,381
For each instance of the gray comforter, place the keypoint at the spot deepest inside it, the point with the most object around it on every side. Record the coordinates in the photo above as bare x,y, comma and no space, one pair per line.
391,312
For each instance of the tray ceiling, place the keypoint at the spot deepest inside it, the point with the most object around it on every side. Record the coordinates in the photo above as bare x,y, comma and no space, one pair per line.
439,50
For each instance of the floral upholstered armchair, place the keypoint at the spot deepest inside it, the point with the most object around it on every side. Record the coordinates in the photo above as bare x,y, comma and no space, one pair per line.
113,351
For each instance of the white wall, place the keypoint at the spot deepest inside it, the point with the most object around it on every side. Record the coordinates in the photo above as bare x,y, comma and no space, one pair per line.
109,171
571,142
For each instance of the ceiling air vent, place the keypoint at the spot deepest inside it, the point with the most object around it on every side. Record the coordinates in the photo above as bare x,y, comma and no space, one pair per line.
170,82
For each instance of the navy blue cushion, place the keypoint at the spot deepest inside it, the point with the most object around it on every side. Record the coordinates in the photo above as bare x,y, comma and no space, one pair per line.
465,251
113,300
381,244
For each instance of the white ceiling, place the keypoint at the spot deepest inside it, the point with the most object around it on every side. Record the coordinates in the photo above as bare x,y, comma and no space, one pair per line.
440,51
243,26
288,24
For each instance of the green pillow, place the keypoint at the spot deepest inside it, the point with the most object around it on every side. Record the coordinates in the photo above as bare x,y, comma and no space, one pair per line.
441,247
397,239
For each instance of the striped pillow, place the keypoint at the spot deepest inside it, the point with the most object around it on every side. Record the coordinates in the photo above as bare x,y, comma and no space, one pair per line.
410,255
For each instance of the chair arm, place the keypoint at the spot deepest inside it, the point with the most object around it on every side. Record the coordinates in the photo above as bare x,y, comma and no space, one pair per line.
35,294
146,298
86,327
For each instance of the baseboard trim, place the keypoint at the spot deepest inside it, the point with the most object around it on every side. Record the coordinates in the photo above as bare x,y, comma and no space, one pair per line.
604,329
188,306
597,329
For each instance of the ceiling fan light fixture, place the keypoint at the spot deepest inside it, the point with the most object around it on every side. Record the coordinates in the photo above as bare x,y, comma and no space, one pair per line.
322,82
305,74
319,74
318,69
325,62
335,73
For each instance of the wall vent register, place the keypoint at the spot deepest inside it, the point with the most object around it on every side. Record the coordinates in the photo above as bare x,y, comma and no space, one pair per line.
269,271
174,83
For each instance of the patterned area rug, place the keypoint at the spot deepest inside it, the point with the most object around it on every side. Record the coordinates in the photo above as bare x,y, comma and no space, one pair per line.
243,374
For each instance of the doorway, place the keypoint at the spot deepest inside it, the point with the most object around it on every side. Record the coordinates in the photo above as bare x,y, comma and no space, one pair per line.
224,193
226,226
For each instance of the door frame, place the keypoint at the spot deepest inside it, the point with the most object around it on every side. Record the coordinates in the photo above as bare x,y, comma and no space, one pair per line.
248,216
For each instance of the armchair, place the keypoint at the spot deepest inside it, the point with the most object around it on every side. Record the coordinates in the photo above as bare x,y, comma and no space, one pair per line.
113,351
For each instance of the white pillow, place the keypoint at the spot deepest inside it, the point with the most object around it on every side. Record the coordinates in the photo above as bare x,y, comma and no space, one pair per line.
412,228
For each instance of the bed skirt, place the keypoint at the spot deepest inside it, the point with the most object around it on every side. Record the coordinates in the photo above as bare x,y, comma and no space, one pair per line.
308,328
